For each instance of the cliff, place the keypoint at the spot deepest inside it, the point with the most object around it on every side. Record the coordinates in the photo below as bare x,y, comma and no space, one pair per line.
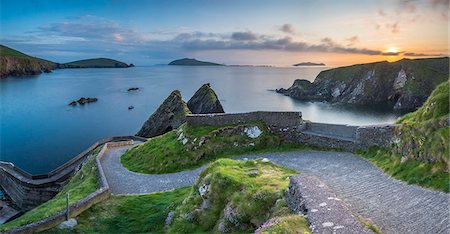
96,63
404,85
15,63
192,62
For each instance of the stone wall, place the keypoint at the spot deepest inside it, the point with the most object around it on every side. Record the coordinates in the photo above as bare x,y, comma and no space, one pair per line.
271,118
101,194
291,127
28,191
376,135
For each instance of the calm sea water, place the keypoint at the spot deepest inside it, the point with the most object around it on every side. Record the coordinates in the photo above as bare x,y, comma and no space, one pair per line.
39,131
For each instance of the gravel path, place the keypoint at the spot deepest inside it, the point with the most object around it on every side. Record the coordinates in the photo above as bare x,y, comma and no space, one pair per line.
123,181
392,205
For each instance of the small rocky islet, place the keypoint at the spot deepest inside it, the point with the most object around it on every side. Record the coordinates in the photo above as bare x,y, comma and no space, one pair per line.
172,112
83,100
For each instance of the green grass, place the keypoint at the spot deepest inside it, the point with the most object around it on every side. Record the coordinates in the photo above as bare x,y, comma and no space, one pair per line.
288,224
166,154
81,185
252,190
411,171
6,51
129,214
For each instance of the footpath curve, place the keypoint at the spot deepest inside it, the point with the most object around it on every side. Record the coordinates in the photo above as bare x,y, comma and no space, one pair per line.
393,206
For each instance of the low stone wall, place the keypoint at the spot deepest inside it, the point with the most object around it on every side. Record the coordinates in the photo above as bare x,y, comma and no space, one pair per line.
376,135
101,194
291,127
271,118
28,191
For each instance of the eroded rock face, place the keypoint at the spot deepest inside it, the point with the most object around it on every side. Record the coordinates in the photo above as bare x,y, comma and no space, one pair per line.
205,101
403,85
170,115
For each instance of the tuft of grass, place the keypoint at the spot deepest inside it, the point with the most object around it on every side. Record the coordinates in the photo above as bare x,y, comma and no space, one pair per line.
166,153
241,195
287,225
411,171
129,214
83,183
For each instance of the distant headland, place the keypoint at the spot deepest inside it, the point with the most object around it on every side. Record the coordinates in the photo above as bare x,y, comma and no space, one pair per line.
16,63
193,62
308,64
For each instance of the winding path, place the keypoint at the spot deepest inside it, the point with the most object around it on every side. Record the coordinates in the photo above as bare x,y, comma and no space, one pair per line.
393,206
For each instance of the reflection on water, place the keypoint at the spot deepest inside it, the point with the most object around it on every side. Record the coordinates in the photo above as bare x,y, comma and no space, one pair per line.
39,131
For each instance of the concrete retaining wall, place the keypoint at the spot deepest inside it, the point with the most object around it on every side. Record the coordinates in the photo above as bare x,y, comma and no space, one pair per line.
28,191
101,194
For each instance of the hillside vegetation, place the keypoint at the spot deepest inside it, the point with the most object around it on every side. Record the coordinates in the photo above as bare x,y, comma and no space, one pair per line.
83,183
420,154
237,196
15,63
191,146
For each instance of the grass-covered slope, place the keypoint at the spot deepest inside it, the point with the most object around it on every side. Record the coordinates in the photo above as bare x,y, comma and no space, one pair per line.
80,186
96,63
15,63
237,196
424,134
420,154
129,214
191,146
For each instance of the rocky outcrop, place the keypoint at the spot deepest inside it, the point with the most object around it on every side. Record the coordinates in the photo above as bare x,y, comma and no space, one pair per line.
169,115
205,101
83,101
14,66
404,85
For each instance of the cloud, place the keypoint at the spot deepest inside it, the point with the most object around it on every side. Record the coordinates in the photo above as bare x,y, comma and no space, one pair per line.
264,42
393,28
411,54
392,53
287,28
381,12
244,36
352,40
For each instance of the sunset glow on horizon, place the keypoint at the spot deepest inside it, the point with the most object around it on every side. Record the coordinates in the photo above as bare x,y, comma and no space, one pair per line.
231,32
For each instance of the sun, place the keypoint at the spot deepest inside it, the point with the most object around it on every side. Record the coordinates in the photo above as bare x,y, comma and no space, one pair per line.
392,49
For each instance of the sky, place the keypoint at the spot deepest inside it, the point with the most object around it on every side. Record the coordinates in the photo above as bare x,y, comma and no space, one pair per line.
246,32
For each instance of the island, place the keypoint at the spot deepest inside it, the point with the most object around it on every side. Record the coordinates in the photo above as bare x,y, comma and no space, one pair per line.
308,64
96,63
193,62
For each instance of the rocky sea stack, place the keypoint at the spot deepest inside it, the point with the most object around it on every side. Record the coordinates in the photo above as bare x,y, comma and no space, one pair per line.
169,115
205,101
404,85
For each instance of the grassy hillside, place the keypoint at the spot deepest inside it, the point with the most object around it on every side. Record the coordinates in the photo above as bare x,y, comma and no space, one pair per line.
96,63
80,186
238,197
129,214
191,146
15,63
420,154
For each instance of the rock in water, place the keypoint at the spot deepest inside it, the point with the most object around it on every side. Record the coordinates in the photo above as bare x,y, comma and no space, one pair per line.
205,101
169,115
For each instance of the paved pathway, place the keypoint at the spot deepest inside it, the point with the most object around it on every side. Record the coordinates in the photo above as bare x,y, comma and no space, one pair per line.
392,205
